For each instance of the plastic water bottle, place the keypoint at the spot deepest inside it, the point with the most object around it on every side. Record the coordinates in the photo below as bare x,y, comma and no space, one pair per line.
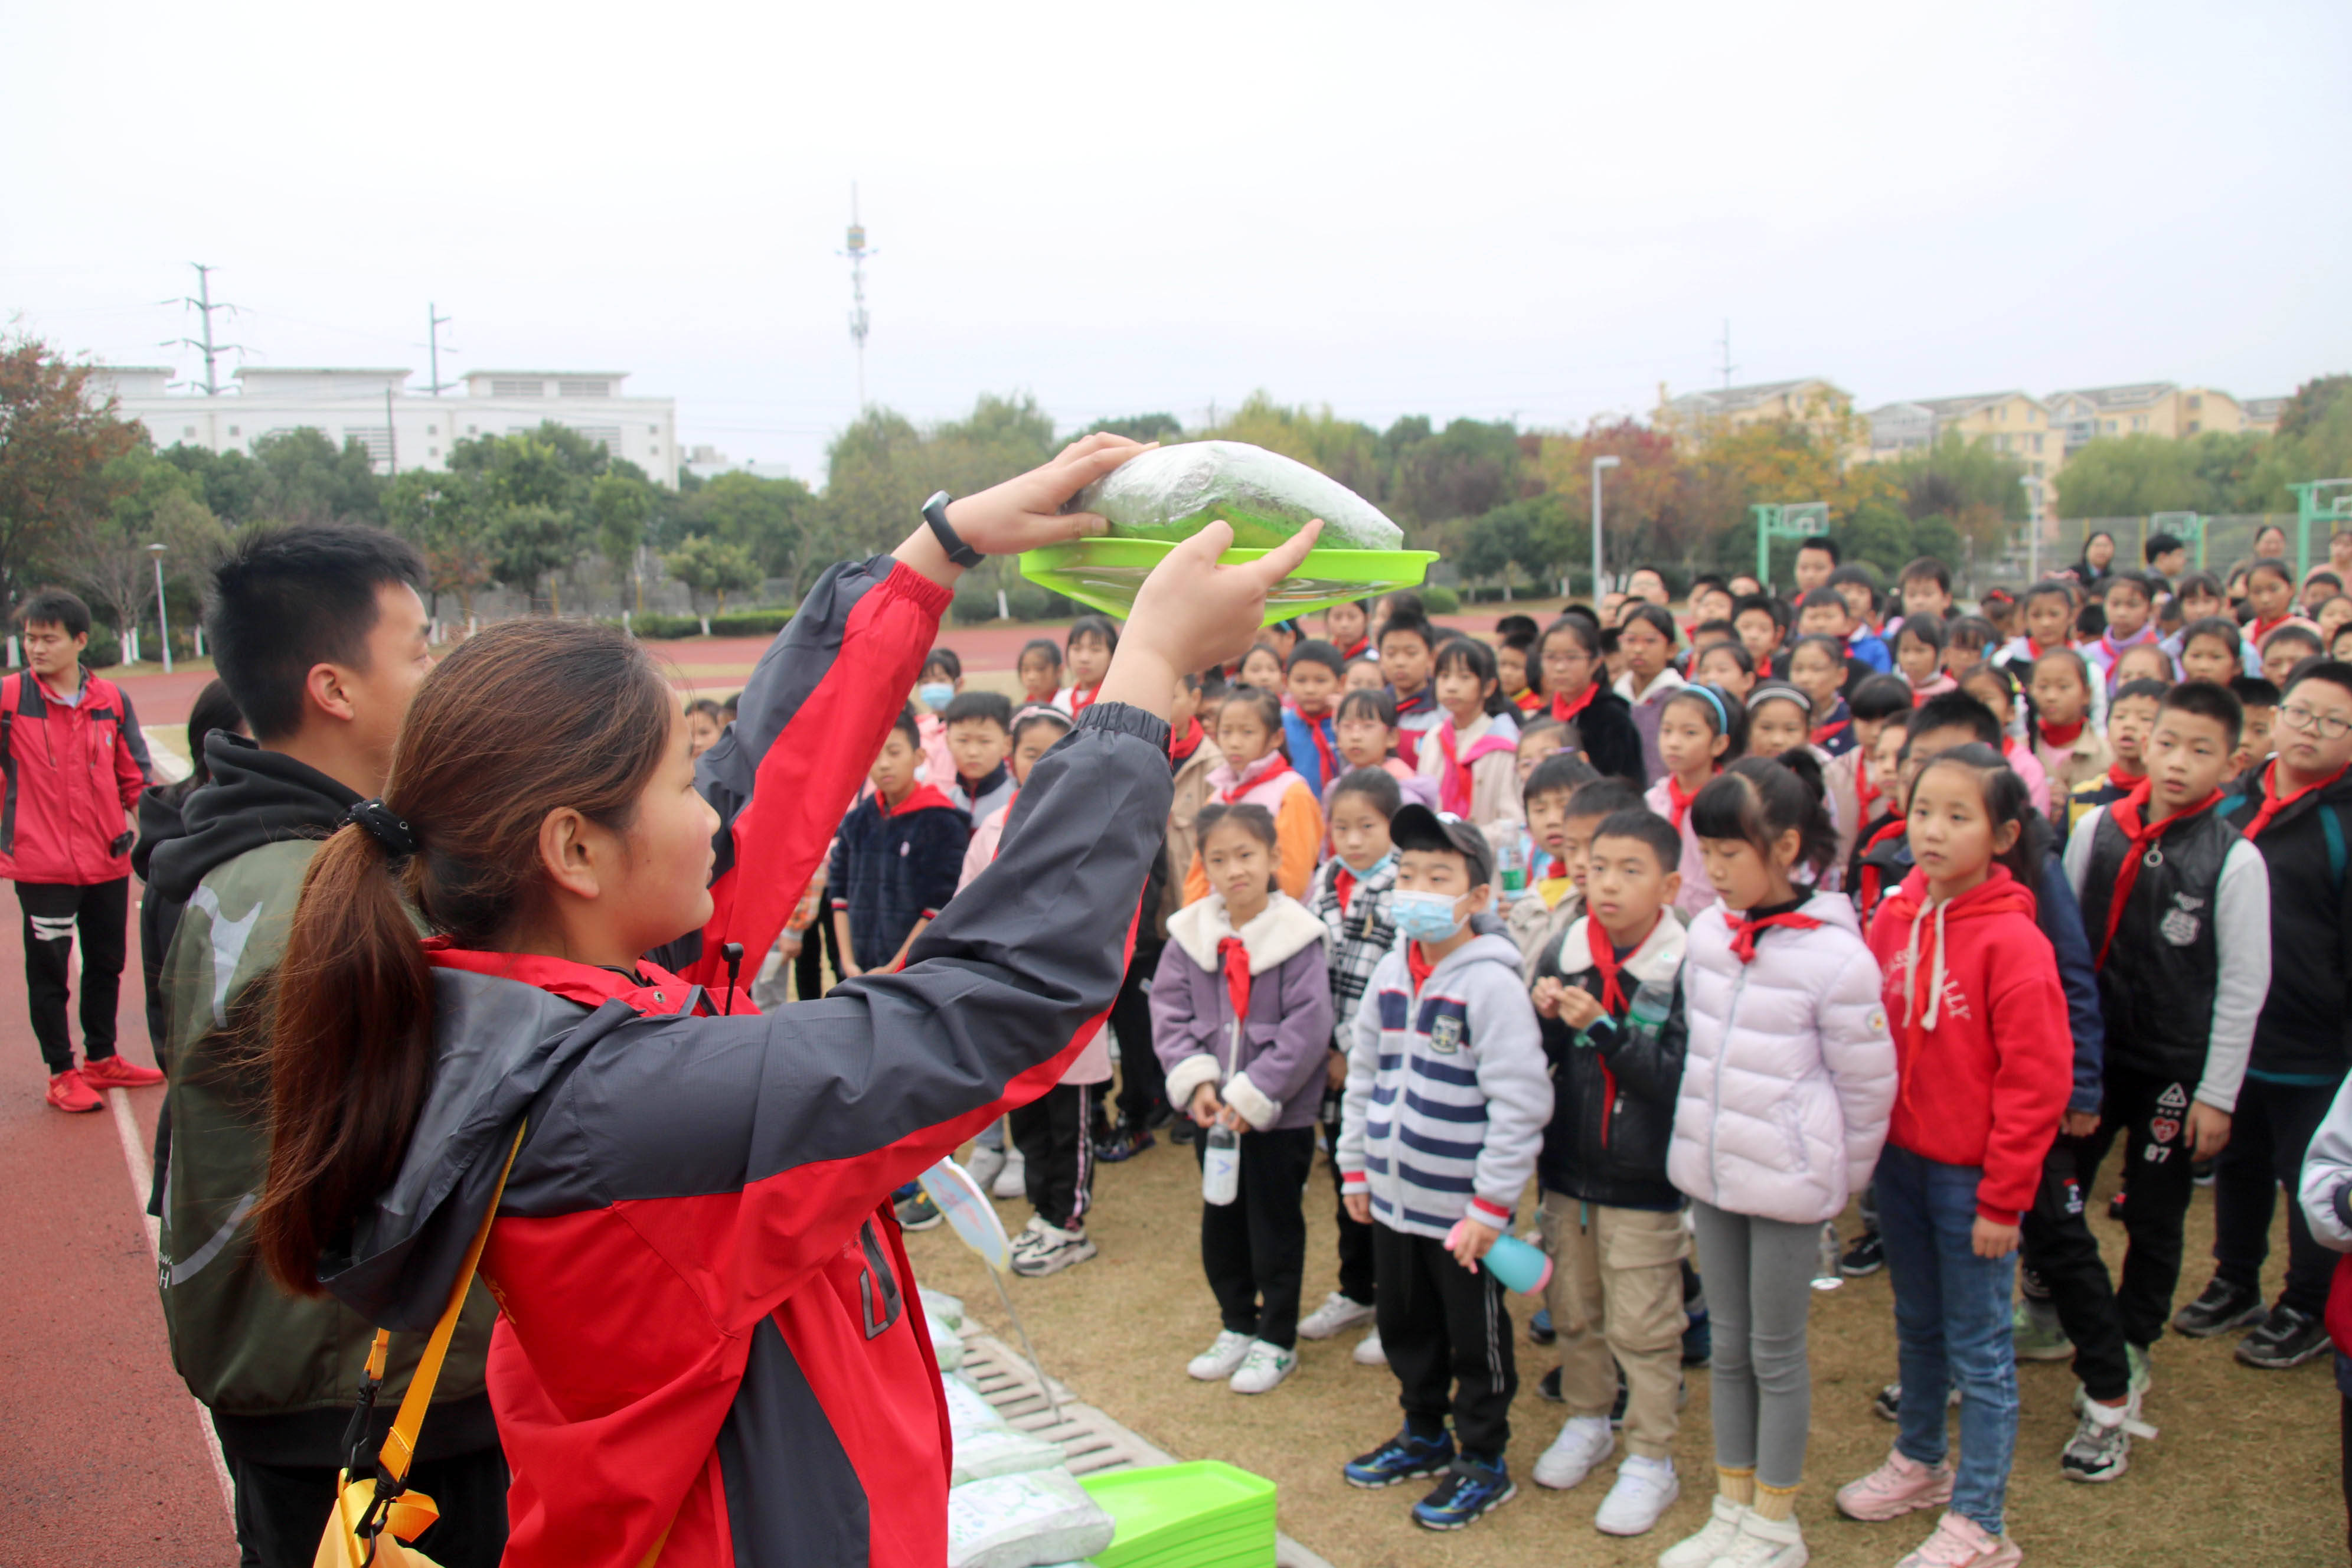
1511,867
1221,1167
1825,1272
1652,1002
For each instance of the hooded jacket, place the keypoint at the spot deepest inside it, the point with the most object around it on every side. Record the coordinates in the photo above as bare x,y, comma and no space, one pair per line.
1264,1060
895,866
2304,1034
1982,1051
1481,783
67,774
1447,1095
280,1373
1606,734
160,821
711,1343
1613,1088
1789,1073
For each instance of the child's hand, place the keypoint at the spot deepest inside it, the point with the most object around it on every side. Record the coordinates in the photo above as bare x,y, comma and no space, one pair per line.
1579,1008
1471,1239
1193,613
1547,995
2209,1131
2079,1123
1359,1207
789,947
1990,1240
849,970
1205,1106
1335,1070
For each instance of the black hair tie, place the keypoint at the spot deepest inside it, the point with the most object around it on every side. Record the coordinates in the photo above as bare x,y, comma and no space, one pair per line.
385,827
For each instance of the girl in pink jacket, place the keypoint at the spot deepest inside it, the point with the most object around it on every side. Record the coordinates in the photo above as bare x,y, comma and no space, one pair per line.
1788,1081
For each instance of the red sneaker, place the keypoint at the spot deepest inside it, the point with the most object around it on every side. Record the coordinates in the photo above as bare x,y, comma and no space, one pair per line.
67,1092
114,1072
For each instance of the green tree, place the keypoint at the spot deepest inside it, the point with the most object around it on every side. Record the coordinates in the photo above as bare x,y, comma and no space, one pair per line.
1136,428
444,516
56,445
529,541
622,506
299,476
766,516
2131,476
711,567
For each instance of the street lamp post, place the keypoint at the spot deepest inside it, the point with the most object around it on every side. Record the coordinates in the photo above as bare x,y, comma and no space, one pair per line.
1599,465
162,616
2033,527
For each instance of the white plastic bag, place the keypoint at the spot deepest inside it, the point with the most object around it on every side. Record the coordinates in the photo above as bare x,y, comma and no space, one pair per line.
967,1411
946,1345
1023,1522
1001,1452
941,1307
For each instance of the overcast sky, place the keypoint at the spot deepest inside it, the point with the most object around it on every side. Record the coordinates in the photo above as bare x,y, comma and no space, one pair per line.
1537,211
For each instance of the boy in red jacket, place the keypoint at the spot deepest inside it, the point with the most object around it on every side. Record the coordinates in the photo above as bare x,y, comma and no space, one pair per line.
70,752
1984,1056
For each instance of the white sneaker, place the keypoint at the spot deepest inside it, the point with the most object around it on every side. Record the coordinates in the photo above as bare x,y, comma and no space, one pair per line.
1338,1312
1223,1358
1012,1181
1765,1544
985,1165
1645,1488
1699,1550
1583,1443
1263,1369
1053,1251
1367,1350
1026,1237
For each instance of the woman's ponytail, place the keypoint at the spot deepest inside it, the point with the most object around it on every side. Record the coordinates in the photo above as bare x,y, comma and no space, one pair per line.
352,1056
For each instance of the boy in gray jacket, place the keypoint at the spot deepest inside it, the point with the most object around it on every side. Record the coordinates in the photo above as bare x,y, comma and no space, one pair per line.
1447,1101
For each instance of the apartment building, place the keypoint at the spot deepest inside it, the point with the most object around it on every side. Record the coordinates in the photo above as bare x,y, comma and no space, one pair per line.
2015,424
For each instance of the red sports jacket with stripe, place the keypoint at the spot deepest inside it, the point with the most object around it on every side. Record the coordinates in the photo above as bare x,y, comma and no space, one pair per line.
710,1341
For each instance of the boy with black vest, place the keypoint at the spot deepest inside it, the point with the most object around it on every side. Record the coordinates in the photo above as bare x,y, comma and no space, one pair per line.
2178,908
2297,810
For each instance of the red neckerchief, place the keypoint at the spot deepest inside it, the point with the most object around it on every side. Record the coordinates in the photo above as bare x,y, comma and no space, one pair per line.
2126,814
1529,701
1454,788
1181,748
1821,732
1330,758
1083,698
652,990
2261,628
1244,781
1869,876
2122,782
2059,737
1744,931
2033,650
1678,805
1566,711
2272,804
1419,702
922,798
1235,953
1419,965
1362,646
1866,794
1604,959
1343,884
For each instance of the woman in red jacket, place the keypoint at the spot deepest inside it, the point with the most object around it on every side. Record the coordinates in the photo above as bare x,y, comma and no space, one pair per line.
1984,1059
709,1351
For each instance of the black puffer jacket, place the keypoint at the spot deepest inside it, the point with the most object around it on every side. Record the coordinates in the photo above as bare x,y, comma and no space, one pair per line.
1613,1087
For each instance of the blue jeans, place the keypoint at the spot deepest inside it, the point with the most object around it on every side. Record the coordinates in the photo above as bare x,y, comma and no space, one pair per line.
1951,1322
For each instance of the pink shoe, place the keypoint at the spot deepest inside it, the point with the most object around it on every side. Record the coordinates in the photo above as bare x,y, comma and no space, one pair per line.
114,1072
1961,1543
1897,1487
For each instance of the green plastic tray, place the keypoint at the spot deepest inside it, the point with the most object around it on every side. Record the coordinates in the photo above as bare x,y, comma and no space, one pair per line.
1106,574
1168,1513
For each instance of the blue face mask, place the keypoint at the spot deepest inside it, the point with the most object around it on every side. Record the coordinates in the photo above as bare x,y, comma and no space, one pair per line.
936,695
1374,869
1425,916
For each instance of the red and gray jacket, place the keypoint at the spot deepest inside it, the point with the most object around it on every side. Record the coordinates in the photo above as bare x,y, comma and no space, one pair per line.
709,1342
71,772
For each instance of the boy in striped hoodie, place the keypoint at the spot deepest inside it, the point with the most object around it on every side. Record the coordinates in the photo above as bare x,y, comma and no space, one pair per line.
1447,1101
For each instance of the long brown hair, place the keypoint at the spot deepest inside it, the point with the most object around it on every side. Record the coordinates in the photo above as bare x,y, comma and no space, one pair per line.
525,718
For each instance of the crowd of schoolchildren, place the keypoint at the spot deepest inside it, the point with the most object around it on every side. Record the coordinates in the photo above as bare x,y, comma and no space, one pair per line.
1710,926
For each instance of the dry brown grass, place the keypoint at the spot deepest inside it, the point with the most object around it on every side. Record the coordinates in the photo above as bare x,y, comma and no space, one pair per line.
2246,1472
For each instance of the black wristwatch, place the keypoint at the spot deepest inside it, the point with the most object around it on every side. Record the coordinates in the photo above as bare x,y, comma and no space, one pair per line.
935,512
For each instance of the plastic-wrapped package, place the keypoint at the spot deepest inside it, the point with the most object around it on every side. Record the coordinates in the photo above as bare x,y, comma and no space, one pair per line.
1024,1521
941,1307
1171,493
980,1455
967,1411
946,1345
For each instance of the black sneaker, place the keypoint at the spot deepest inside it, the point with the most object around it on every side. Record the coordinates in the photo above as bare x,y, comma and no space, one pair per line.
2221,1307
1123,1142
1404,1457
1181,1129
1866,1257
1548,1387
1887,1403
2288,1338
2115,1206
2201,1173
1540,1326
1470,1489
919,1213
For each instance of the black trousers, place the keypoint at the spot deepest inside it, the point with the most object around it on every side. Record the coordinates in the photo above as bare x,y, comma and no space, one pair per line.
2268,1135
2150,1116
2059,1247
1253,1249
1055,1133
1142,1081
53,912
282,1509
1359,1278
818,944
1448,1339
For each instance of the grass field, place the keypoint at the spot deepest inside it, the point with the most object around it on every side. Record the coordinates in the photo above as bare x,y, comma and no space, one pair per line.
2245,1471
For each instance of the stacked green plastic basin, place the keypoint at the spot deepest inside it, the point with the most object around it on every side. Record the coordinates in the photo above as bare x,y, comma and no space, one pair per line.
1206,1514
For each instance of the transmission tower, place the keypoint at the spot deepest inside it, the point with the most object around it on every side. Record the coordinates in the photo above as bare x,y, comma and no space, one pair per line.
433,323
205,306
1725,344
859,322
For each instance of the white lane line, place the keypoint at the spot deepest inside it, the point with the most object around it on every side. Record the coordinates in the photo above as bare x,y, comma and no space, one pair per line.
142,1180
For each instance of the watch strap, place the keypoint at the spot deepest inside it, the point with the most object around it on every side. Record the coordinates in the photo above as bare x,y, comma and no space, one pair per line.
935,512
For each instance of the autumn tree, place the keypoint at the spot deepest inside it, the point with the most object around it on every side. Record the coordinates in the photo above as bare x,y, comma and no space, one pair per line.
55,448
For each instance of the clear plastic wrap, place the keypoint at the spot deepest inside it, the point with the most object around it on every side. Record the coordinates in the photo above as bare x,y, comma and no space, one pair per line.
1171,493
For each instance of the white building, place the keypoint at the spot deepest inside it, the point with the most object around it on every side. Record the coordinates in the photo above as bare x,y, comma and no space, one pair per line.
401,429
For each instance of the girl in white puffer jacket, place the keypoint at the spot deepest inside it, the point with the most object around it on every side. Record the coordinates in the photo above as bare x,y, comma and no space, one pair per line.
1787,1077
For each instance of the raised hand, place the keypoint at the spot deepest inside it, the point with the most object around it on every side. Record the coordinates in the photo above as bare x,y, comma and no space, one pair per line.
1193,613
1025,513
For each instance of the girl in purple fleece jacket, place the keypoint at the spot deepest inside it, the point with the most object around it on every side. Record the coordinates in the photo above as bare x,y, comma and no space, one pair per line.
1241,1017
